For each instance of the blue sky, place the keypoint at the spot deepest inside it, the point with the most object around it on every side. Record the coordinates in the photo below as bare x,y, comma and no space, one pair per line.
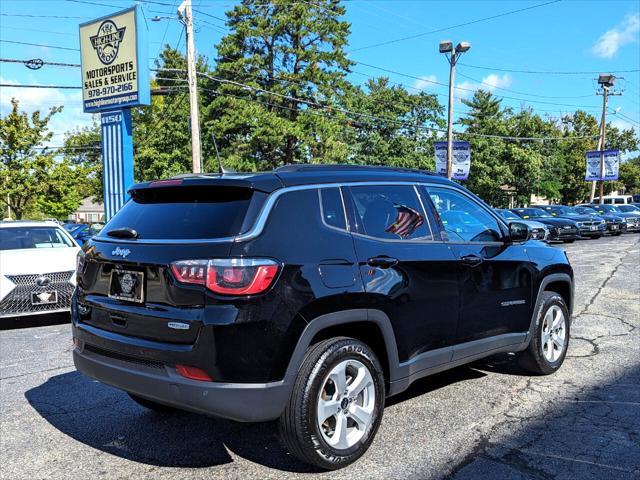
578,36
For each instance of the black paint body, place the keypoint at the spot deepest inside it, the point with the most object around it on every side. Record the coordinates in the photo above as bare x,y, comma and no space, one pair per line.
433,301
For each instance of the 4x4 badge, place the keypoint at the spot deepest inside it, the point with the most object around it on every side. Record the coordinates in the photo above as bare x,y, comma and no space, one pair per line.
121,252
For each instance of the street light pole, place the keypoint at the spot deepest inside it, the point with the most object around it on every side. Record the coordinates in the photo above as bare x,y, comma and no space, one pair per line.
185,11
452,75
446,47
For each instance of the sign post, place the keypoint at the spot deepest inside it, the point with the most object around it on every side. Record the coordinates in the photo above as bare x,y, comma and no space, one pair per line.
115,77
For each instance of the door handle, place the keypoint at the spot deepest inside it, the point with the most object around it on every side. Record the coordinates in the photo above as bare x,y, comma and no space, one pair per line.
471,260
382,262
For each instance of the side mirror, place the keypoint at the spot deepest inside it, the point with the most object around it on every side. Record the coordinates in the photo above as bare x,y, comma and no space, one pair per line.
519,232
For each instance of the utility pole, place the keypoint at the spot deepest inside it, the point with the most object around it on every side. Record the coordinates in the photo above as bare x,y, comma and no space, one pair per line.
446,47
606,82
185,12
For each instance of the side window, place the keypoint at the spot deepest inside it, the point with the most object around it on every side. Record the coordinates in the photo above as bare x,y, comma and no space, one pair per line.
332,208
462,218
391,212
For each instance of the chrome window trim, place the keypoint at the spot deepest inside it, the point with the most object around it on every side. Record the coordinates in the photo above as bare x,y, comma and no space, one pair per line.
265,211
344,213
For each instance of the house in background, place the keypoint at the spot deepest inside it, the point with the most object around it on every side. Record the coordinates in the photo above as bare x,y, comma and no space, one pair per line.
88,212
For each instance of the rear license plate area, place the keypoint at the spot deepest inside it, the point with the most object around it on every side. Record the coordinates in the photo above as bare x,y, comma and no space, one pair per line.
127,285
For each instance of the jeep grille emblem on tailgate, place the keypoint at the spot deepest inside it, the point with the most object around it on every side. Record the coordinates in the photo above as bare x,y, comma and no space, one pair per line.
178,325
121,252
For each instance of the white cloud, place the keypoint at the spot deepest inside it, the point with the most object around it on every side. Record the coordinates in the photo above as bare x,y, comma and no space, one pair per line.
32,99
622,34
489,83
425,82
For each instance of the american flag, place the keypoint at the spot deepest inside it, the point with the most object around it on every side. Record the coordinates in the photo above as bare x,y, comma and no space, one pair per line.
407,221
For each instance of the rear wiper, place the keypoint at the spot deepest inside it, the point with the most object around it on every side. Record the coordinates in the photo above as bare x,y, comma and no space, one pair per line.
124,232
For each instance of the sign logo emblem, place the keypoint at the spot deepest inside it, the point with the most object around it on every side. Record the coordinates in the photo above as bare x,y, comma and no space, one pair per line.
43,281
121,252
107,41
127,283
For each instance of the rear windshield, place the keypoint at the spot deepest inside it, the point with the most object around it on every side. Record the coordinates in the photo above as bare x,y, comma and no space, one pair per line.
183,213
17,238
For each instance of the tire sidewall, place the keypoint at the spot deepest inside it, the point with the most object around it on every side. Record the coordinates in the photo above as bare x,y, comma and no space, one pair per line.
549,300
344,350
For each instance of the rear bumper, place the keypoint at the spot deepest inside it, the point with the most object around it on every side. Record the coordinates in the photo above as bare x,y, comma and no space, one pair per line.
244,402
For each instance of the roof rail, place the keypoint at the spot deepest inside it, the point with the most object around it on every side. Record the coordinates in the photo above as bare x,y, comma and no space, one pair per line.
300,167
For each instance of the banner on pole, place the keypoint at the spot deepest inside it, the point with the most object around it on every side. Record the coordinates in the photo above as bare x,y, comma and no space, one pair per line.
611,165
460,161
115,66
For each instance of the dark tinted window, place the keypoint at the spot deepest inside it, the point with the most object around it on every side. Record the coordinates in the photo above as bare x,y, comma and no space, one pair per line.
392,212
16,238
332,209
462,218
183,213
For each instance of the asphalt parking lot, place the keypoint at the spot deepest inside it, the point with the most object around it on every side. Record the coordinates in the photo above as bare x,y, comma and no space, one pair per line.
487,420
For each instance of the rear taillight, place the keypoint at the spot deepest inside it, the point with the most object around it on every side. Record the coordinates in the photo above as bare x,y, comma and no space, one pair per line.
190,271
232,276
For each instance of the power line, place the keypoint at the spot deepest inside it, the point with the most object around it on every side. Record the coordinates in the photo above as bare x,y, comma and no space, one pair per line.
40,16
40,45
373,117
470,89
69,87
546,72
629,119
418,35
96,3
56,64
520,93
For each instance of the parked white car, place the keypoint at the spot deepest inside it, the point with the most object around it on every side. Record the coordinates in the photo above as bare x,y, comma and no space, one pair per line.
37,268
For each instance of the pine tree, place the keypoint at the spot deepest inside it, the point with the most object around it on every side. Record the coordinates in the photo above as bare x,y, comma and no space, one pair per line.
291,55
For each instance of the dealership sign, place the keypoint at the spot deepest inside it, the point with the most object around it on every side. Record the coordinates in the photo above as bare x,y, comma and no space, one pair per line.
611,165
115,71
460,161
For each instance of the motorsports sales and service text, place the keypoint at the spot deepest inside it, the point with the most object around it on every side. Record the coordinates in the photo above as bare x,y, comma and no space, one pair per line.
109,62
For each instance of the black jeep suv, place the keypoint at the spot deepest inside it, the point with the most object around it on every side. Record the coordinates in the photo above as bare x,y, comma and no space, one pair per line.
310,294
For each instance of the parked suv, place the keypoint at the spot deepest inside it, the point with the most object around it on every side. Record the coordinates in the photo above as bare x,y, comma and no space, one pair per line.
308,295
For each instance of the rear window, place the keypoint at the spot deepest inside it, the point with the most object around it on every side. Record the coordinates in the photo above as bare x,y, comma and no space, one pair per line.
175,213
17,238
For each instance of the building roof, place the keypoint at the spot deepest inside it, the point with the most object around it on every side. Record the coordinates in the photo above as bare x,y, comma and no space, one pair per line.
88,206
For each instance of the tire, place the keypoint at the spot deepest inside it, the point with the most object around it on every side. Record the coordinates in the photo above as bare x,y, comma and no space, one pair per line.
617,234
568,241
544,357
151,405
300,427
596,237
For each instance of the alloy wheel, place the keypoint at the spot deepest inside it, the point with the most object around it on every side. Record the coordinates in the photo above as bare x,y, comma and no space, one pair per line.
553,334
346,404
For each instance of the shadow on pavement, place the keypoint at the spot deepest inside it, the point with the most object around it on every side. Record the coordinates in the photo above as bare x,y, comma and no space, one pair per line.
106,419
28,321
